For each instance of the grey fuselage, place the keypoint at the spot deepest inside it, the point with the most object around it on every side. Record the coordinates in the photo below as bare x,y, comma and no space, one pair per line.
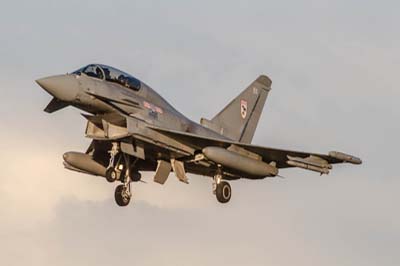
127,112
144,104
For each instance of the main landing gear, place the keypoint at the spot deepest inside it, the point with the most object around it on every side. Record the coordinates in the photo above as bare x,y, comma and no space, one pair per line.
123,172
221,189
111,173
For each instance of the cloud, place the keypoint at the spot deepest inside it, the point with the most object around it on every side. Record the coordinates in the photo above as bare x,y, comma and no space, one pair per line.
325,224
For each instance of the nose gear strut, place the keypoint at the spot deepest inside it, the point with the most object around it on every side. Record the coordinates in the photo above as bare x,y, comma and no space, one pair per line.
123,192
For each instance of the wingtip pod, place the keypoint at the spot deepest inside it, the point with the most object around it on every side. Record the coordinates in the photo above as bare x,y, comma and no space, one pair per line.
345,157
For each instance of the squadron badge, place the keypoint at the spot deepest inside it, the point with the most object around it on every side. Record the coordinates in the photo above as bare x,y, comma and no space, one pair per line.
243,108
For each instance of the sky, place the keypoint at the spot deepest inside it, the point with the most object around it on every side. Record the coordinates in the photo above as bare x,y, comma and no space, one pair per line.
334,69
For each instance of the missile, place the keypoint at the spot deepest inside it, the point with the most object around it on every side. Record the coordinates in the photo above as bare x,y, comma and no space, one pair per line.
308,167
239,162
311,160
84,162
345,157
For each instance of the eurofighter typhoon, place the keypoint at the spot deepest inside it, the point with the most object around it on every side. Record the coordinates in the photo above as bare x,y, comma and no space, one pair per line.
133,129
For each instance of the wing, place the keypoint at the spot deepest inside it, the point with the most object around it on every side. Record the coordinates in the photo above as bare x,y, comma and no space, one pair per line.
278,157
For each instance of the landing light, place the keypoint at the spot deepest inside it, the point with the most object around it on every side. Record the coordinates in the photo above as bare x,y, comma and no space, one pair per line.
120,167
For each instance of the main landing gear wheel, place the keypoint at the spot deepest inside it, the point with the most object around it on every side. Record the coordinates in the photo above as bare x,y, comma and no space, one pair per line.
223,192
122,195
111,175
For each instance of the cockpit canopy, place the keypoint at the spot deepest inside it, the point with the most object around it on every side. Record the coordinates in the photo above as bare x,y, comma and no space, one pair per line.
110,74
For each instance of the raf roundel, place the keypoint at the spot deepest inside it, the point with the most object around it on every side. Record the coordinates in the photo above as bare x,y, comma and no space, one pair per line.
243,108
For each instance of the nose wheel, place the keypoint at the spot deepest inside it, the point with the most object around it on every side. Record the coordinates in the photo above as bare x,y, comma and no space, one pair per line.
123,192
122,195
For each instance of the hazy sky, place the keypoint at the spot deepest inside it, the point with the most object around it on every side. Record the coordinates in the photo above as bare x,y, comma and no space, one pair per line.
334,67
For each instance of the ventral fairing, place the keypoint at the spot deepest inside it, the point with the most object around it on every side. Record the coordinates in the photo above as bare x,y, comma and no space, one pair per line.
133,129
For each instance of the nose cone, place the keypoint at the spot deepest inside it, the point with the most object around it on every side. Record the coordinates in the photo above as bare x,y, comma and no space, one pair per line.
63,87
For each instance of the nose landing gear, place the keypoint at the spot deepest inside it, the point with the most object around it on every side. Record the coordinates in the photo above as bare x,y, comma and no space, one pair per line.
122,195
122,171
123,192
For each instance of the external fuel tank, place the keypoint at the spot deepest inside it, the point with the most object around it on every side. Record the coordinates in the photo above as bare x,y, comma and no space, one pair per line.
84,162
239,162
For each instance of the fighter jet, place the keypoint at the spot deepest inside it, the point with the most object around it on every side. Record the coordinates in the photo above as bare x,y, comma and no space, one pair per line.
133,129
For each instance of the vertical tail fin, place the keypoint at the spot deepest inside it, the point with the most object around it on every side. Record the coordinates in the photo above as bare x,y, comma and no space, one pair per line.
238,120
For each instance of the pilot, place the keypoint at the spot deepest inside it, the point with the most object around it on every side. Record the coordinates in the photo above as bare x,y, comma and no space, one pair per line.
107,73
127,83
99,73
123,80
